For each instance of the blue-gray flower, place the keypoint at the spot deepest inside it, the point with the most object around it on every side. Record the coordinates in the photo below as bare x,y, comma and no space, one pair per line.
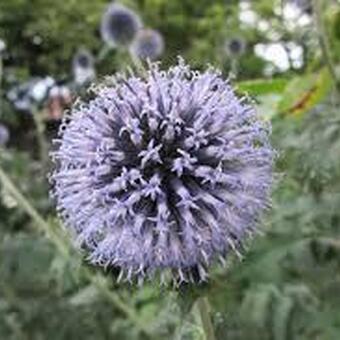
148,44
119,25
163,173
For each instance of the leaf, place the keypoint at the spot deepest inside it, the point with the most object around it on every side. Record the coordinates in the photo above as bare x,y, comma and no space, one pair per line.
85,296
260,87
256,305
303,93
267,104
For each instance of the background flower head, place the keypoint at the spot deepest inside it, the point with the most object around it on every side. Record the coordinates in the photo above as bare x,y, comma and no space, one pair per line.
83,67
119,25
166,172
235,47
148,44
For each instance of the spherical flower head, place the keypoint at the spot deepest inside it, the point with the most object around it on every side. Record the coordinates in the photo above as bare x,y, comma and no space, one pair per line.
83,59
119,25
235,47
83,67
162,173
4,135
148,44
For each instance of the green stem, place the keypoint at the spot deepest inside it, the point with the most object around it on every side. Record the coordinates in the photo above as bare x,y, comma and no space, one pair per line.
1,74
138,65
42,225
104,51
234,67
26,206
323,40
40,130
204,310
101,284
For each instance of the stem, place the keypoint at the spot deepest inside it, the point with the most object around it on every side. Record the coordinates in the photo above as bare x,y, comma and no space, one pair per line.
1,73
323,40
101,284
138,64
104,51
26,206
42,144
42,225
204,310
234,67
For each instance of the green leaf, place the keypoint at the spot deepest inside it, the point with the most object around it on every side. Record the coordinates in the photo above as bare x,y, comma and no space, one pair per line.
260,87
303,93
87,295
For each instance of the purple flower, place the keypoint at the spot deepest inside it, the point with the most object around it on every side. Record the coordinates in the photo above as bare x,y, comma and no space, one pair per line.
119,25
235,47
148,44
83,67
162,173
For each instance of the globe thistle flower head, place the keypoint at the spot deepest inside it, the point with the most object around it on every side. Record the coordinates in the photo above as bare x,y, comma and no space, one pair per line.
83,59
4,135
162,173
235,47
83,67
119,25
148,45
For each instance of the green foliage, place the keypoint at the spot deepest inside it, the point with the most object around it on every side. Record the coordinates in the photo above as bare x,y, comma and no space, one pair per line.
287,286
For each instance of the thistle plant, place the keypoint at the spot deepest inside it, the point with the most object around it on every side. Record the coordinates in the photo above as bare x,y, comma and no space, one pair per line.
162,173
83,67
119,25
235,47
148,45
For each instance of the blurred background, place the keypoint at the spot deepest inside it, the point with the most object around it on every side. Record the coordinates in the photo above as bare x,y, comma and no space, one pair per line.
285,55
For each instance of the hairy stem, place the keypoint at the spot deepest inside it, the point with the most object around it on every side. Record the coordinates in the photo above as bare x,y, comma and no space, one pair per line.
1,74
204,311
138,65
323,40
96,280
26,206
103,53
